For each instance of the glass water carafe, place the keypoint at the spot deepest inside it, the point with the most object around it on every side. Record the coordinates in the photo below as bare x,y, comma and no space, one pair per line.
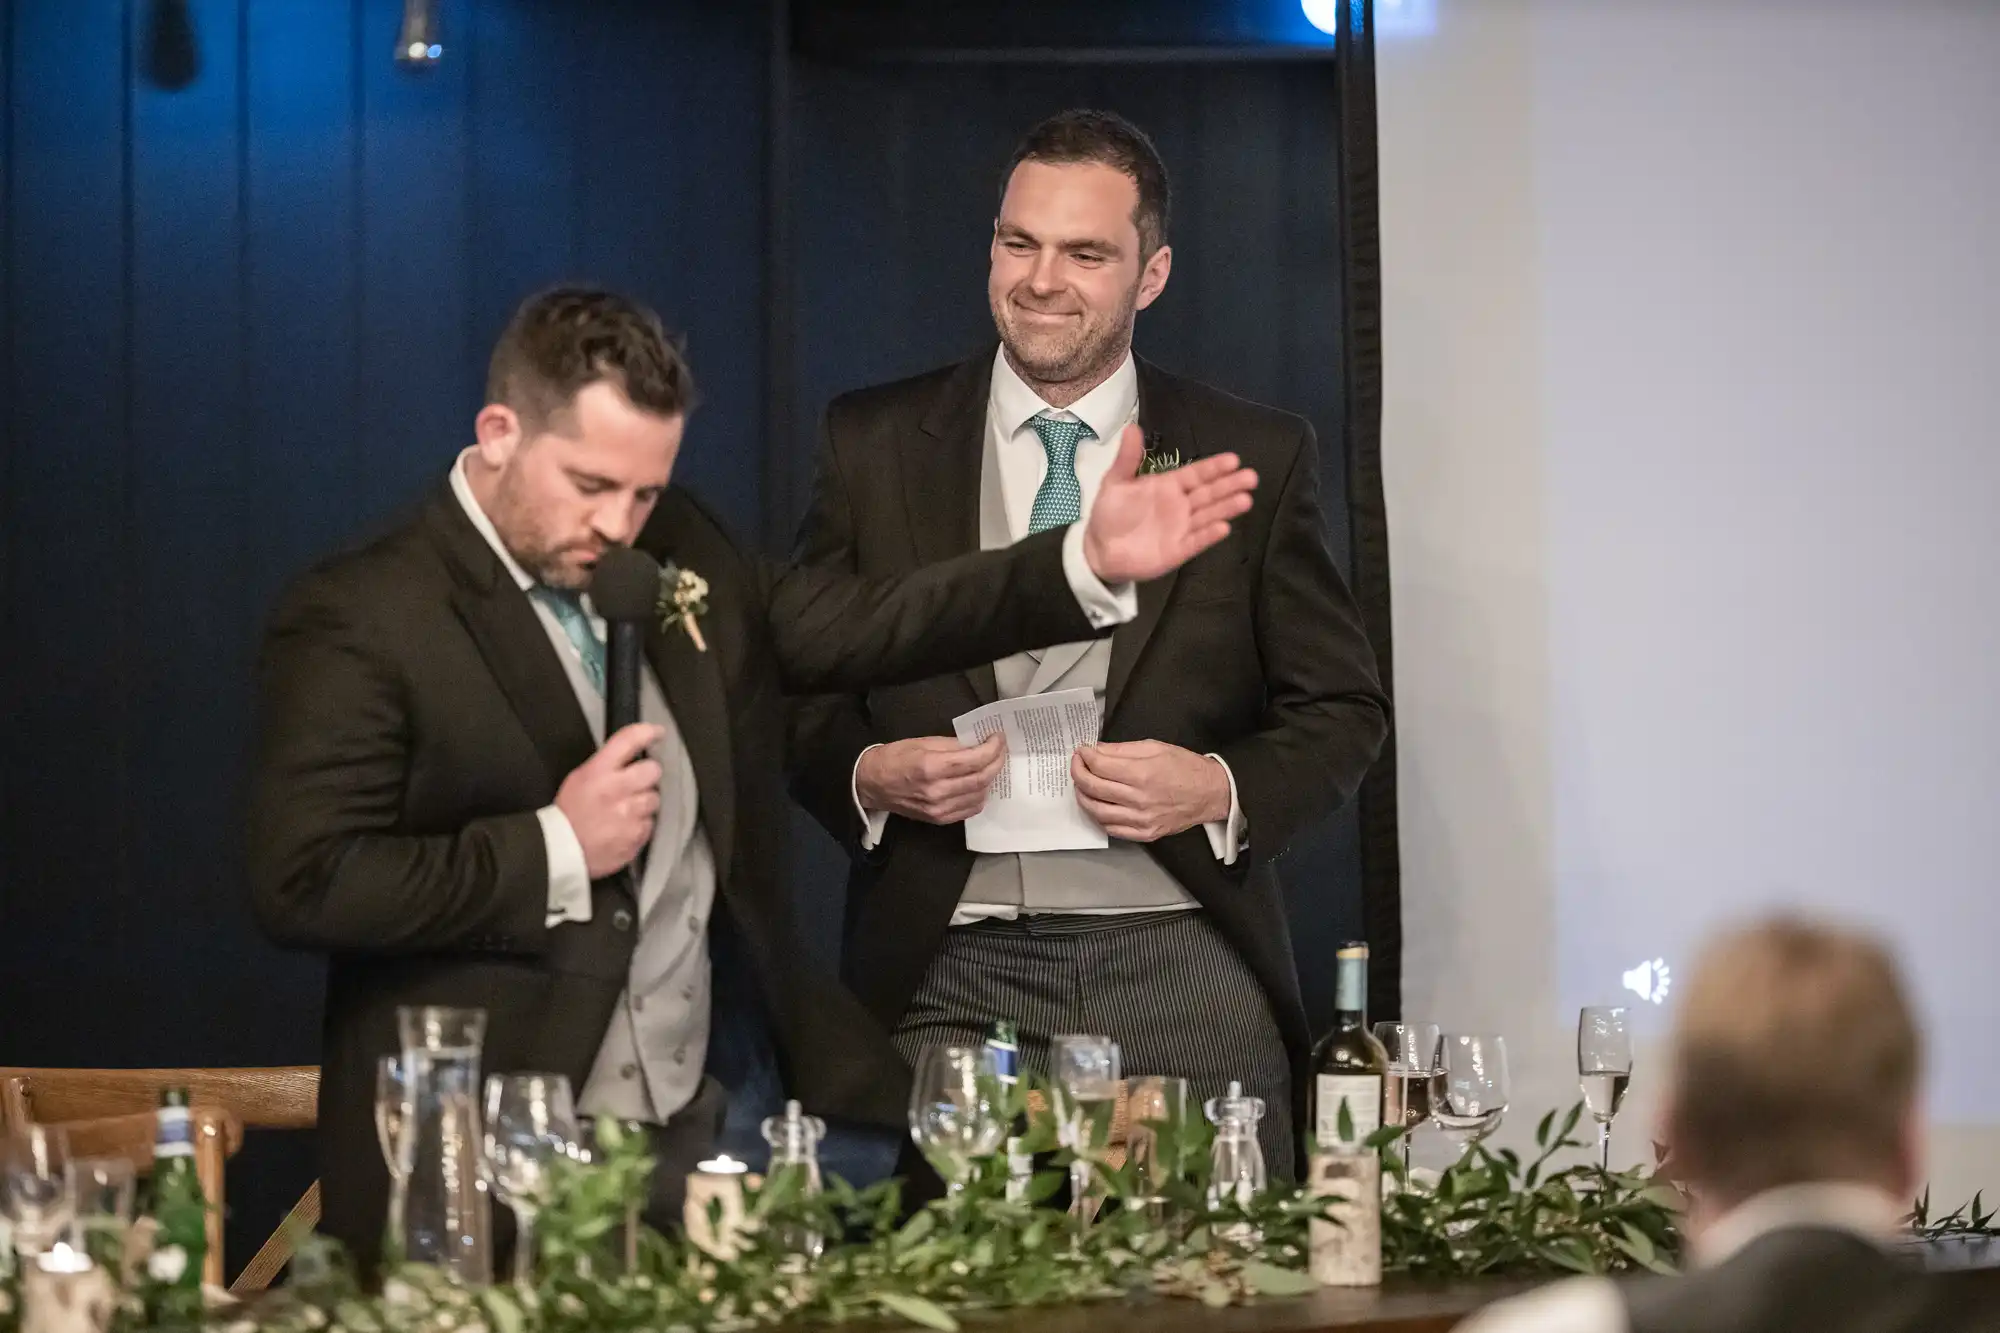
794,1138
439,1212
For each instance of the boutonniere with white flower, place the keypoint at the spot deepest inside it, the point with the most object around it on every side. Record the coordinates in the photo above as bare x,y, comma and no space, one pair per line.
683,600
1157,459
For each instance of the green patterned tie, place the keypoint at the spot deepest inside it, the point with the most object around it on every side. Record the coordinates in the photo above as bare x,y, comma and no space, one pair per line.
569,613
1060,500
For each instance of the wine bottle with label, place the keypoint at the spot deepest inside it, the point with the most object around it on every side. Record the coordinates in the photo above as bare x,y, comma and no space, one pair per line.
1348,1063
180,1208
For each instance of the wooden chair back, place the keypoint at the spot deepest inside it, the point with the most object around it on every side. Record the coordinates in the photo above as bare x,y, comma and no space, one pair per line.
112,1113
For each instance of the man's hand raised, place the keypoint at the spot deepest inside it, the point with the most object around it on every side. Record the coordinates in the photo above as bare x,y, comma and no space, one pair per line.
1142,527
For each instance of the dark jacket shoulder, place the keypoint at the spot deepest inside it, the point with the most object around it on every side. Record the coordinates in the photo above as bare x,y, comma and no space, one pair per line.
1210,409
378,584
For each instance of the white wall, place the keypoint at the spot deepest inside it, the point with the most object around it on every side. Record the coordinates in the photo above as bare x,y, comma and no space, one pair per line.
1692,444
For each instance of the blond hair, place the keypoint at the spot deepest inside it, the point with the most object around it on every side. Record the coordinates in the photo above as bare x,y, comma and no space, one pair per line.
1795,1059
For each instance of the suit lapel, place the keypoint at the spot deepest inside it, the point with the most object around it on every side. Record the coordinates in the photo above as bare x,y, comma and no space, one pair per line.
511,640
941,466
692,682
1165,427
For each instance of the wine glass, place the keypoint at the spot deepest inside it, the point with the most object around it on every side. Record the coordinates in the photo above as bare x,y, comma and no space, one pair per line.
1470,1092
34,1185
530,1121
1156,1112
1603,1068
957,1110
101,1193
1412,1049
1083,1078
392,1107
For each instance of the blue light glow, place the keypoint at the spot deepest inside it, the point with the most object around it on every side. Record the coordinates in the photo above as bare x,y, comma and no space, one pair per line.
1322,14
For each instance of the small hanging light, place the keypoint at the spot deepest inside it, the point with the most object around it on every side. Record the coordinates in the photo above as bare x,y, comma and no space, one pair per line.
420,42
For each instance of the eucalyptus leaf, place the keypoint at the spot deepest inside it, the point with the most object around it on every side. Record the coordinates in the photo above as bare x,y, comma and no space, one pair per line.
917,1310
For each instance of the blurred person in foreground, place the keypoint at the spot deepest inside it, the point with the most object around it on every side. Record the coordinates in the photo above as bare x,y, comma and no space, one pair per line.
1793,1123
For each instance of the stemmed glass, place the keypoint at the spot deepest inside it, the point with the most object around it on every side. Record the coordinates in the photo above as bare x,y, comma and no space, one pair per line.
1603,1068
1406,1085
1470,1094
1083,1083
392,1107
957,1110
530,1121
35,1185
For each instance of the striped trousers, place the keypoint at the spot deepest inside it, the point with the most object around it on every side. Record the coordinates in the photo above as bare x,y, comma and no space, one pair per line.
1165,986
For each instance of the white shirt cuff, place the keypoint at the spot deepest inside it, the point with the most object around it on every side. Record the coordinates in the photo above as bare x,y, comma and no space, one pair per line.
1102,606
569,873
1225,836
873,822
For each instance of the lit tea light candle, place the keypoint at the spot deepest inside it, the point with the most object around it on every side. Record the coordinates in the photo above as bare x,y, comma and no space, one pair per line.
717,1181
725,1165
64,1292
62,1257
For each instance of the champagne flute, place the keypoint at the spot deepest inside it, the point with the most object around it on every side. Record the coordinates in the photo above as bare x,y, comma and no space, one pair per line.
1412,1049
35,1186
1470,1094
957,1110
1603,1068
392,1108
1156,1137
530,1121
1083,1077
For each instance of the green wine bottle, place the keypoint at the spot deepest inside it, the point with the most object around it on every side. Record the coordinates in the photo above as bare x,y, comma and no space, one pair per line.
179,1208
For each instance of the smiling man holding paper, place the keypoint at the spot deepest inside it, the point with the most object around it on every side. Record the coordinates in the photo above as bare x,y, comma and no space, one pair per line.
1238,704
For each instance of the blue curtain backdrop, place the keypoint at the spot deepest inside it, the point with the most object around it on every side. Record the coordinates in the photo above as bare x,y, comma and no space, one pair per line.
246,316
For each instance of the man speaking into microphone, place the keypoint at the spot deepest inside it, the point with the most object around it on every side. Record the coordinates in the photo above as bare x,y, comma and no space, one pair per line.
438,809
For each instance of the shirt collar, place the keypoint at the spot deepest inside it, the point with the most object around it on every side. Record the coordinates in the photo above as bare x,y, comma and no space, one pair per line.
1860,1210
462,488
1105,409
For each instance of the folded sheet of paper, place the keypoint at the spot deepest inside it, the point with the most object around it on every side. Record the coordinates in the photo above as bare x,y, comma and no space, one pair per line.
1031,806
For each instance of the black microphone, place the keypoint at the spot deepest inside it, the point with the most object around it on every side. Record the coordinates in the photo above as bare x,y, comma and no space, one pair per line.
626,590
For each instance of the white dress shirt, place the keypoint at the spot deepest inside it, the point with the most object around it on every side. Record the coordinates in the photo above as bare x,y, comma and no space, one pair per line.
1593,1305
1011,408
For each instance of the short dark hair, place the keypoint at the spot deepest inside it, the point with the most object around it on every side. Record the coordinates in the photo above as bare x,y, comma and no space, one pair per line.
562,340
1105,137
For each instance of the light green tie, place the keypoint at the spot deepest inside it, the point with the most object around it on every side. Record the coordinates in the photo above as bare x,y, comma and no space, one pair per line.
575,621
1059,502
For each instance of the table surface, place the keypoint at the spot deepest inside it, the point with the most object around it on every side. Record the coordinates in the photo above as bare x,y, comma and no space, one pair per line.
1397,1306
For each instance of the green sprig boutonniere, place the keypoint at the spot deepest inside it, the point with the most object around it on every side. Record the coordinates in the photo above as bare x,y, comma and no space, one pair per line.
683,599
1158,459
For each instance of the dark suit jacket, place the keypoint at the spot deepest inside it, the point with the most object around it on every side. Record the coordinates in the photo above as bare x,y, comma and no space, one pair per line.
1815,1280
1254,650
414,716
